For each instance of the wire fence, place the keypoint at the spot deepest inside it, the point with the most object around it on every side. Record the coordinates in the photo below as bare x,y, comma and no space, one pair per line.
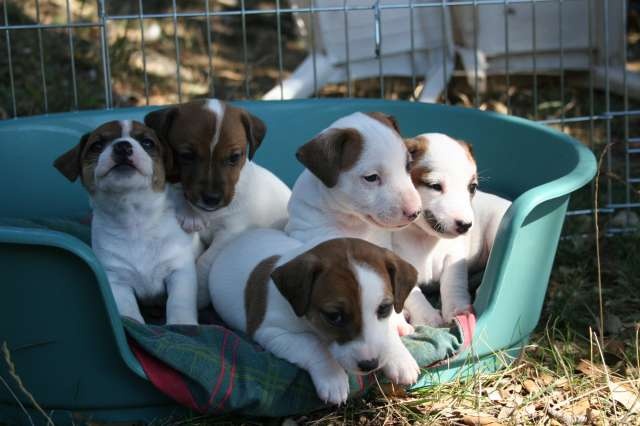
571,64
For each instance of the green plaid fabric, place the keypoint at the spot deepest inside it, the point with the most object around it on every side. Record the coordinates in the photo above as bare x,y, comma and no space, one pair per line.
214,370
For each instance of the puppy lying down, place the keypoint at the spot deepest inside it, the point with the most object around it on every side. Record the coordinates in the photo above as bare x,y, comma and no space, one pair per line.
324,307
134,232
457,228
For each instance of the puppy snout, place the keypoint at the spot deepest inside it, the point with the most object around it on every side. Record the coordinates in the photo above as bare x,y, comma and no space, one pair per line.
211,199
368,365
462,227
410,214
122,150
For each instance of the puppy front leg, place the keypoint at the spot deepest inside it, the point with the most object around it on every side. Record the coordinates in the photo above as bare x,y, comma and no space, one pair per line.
421,312
401,368
126,301
189,219
454,288
182,291
307,351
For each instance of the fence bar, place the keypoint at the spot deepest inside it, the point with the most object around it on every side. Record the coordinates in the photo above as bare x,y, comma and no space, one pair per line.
627,165
18,27
74,82
534,58
506,51
43,73
144,55
104,50
476,90
445,54
378,40
413,49
245,59
348,50
607,99
561,44
312,36
176,41
280,67
9,60
212,90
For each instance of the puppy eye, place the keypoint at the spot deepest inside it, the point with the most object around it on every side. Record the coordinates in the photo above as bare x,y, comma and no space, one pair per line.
434,186
147,143
234,158
371,178
186,156
384,310
473,187
335,318
96,147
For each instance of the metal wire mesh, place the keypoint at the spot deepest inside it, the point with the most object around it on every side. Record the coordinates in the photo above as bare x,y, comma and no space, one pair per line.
66,55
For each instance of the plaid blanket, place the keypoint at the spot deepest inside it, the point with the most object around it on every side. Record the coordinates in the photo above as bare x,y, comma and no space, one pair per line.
214,370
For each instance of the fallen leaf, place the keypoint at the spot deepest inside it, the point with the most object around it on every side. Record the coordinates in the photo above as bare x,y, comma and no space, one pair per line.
626,396
580,408
494,395
588,368
390,390
480,419
531,386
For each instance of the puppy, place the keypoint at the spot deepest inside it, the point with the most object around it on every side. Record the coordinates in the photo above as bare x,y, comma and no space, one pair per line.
323,307
356,184
134,232
224,192
457,228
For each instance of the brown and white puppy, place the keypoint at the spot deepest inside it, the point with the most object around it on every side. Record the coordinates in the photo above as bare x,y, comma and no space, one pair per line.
134,231
224,191
457,228
324,307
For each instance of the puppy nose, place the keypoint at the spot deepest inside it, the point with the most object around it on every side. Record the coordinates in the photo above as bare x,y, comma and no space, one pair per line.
411,215
122,149
368,364
462,227
211,199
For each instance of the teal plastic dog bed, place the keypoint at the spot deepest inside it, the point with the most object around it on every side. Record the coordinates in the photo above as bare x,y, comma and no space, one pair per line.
60,322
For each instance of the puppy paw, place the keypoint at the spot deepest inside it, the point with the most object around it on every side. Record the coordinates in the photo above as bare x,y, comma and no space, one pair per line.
190,222
400,323
332,384
432,318
402,368
450,312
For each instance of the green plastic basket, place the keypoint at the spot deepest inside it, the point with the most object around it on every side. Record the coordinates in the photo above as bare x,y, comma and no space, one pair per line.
59,319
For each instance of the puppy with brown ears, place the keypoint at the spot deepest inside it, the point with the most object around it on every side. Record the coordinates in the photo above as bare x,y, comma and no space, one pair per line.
457,228
223,191
134,231
324,307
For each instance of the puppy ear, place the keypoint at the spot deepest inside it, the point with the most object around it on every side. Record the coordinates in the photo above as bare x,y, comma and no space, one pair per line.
295,280
161,121
386,119
255,129
171,171
403,277
417,147
331,152
467,146
69,163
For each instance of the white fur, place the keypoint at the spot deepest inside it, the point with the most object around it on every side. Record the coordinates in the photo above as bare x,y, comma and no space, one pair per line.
354,207
218,109
137,238
293,338
260,201
448,256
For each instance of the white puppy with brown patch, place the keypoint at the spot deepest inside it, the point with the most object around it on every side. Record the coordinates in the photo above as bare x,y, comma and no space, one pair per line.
324,307
457,228
356,184
134,231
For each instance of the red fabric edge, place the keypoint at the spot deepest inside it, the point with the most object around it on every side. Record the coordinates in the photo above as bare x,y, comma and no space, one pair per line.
165,378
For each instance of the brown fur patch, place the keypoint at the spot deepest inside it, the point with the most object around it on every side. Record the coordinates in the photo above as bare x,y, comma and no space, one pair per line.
331,152
417,147
418,174
255,294
386,119
322,280
189,130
